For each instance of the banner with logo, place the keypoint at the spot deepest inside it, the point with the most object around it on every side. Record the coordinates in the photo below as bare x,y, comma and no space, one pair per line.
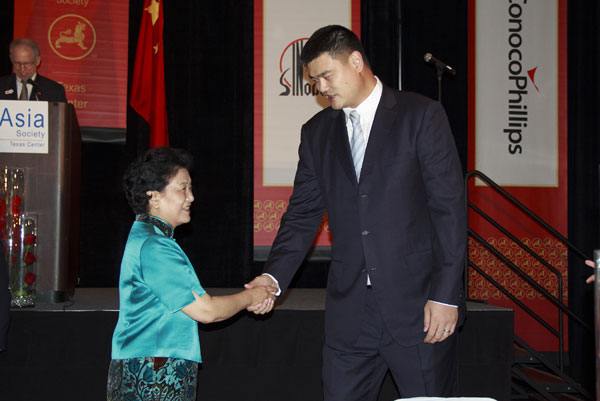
83,44
518,138
23,127
284,99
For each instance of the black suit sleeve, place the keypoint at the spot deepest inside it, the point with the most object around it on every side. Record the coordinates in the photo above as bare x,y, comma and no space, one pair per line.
8,87
4,300
300,222
442,175
50,90
61,95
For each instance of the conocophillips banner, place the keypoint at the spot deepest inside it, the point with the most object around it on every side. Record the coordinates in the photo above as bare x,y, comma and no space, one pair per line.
518,137
83,45
284,100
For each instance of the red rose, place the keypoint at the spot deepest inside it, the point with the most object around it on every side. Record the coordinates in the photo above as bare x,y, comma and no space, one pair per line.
29,258
29,239
29,278
16,232
16,202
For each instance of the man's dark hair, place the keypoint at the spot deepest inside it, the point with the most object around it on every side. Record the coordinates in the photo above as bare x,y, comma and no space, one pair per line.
152,172
336,40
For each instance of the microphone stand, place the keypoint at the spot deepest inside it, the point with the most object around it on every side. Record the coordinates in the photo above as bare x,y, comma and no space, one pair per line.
440,67
440,72
35,87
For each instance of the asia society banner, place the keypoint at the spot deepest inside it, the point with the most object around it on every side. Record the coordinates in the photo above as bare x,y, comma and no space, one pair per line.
518,138
83,45
23,127
284,99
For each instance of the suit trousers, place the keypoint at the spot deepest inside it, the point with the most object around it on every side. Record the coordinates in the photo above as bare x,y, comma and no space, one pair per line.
357,372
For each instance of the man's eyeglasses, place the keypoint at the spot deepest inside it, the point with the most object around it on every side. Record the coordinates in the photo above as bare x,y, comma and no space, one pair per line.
26,64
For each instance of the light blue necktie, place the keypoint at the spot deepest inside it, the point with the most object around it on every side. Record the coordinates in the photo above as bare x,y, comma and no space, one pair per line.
357,143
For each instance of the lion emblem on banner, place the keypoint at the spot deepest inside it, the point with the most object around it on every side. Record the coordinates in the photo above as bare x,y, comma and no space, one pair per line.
71,37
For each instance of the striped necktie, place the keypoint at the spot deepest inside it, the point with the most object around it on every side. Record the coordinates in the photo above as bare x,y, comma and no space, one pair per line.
357,143
24,94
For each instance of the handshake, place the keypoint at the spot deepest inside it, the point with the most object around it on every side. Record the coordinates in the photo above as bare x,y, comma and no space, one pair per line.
263,290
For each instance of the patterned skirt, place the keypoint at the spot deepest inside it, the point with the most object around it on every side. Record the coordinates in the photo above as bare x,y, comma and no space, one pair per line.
152,379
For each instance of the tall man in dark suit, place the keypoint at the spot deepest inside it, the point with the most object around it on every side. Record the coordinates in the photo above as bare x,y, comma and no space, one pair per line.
384,166
25,83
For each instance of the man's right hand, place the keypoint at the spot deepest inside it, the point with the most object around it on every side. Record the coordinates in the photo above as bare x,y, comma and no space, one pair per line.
261,281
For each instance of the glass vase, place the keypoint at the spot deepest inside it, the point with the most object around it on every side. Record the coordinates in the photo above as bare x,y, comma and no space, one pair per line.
5,209
12,182
22,256
19,234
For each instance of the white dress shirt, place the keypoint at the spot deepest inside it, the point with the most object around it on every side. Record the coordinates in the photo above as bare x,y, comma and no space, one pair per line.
366,110
20,86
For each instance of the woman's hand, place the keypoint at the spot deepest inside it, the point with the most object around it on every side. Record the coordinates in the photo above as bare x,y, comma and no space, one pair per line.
591,278
264,280
264,296
209,309
260,294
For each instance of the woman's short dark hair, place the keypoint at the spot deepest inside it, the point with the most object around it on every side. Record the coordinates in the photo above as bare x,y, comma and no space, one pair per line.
152,172
336,40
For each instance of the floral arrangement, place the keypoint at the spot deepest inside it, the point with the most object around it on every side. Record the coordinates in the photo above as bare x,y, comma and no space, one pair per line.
18,232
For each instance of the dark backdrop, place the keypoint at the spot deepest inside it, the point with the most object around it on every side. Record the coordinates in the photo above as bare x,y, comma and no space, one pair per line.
584,161
209,61
209,83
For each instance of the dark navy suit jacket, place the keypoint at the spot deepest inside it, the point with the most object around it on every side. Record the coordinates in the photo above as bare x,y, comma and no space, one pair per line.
47,89
404,224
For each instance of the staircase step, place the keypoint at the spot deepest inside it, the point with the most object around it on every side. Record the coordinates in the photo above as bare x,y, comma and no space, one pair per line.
523,357
558,396
551,382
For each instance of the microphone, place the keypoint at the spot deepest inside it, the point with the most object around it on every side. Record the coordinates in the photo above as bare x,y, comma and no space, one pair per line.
439,64
35,87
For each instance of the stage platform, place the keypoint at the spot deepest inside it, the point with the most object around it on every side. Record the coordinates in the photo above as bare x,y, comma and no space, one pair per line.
62,351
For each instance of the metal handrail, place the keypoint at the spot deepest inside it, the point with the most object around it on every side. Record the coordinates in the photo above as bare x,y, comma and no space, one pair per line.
523,208
522,245
513,298
558,302
527,278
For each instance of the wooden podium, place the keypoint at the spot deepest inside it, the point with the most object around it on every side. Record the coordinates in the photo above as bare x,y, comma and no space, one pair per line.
52,191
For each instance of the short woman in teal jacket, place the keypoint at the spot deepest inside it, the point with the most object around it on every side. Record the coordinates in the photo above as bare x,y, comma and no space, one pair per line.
155,346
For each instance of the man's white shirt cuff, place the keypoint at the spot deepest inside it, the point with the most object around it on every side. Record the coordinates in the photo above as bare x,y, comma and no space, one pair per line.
276,282
441,303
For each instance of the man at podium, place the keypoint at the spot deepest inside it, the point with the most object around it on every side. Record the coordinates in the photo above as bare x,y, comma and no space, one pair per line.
25,83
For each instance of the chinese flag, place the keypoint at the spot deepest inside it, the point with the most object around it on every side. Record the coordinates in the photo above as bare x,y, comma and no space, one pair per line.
148,83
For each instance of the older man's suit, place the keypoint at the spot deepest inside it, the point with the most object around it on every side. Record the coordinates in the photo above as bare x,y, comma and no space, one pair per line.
46,89
404,224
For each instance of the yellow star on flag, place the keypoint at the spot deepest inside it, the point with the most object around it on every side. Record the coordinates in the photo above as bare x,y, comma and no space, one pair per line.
155,48
153,10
